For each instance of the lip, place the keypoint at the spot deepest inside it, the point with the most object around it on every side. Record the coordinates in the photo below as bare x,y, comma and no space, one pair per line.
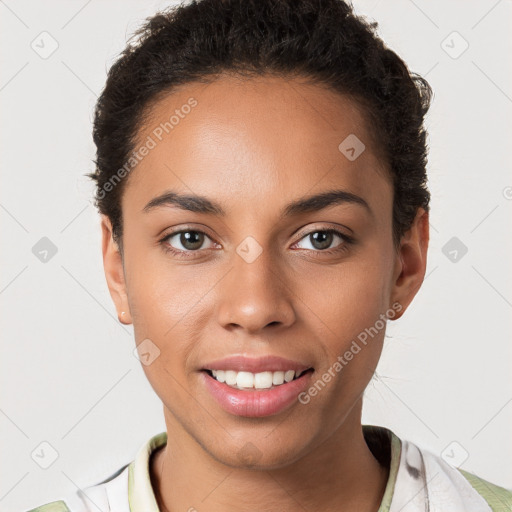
256,403
239,363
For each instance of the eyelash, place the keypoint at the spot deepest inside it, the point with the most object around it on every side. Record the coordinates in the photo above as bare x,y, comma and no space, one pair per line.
347,241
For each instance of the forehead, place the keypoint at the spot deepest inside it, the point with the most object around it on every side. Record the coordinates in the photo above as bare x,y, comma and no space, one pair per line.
245,140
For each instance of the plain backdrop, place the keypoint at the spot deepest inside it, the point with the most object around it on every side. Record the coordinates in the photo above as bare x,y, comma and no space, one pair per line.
72,389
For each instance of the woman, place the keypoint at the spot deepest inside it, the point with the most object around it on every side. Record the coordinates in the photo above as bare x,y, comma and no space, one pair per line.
261,179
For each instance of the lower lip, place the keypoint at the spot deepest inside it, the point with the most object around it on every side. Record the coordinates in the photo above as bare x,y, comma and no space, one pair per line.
256,403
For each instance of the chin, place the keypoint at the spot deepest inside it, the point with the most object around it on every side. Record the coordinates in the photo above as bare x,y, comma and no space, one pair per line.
263,455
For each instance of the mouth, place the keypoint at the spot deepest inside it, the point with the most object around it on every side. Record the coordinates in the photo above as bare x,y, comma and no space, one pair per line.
248,381
255,386
256,395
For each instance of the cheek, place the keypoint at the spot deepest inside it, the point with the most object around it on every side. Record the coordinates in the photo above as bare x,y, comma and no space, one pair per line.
352,333
347,298
163,293
170,303
345,308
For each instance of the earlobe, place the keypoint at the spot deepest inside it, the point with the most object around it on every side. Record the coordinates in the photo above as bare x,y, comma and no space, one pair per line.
114,272
411,262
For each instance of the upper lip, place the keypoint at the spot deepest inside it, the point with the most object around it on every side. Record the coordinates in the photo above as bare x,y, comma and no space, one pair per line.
239,363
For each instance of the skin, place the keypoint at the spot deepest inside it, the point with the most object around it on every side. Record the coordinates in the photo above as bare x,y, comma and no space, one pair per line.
254,146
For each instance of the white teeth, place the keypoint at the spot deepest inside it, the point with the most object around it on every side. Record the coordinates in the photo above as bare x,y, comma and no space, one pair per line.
247,380
288,376
277,378
220,375
263,380
230,377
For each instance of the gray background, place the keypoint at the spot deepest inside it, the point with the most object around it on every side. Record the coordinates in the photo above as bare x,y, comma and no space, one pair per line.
69,376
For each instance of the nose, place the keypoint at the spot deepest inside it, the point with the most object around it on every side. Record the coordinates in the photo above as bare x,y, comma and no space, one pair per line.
255,295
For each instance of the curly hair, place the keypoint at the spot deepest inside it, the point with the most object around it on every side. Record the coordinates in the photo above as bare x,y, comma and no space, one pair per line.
323,41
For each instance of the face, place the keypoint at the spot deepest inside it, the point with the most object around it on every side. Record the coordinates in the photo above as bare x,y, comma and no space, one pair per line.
251,267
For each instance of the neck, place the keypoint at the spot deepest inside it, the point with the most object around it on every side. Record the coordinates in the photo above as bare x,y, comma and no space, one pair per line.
339,474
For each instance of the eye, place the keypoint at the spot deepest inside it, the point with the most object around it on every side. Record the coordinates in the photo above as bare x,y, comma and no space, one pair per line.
322,240
185,241
188,242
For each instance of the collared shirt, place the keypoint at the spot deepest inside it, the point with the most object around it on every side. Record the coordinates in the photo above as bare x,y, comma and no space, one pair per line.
419,481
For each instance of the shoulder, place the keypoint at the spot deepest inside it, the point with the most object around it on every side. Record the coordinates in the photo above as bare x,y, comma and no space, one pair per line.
109,494
129,484
54,506
498,498
450,485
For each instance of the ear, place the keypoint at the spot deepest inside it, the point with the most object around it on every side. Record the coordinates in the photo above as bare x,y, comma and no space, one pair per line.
411,262
114,271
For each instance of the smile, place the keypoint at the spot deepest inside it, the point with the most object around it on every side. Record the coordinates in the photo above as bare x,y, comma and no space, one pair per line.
261,380
256,402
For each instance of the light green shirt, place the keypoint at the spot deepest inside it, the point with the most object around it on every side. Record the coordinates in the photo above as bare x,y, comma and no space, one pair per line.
419,481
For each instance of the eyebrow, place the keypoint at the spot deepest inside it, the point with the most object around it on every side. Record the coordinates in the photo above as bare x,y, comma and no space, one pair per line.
201,204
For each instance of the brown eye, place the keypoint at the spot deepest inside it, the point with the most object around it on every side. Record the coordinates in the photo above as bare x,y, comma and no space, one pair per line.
187,240
322,239
191,240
